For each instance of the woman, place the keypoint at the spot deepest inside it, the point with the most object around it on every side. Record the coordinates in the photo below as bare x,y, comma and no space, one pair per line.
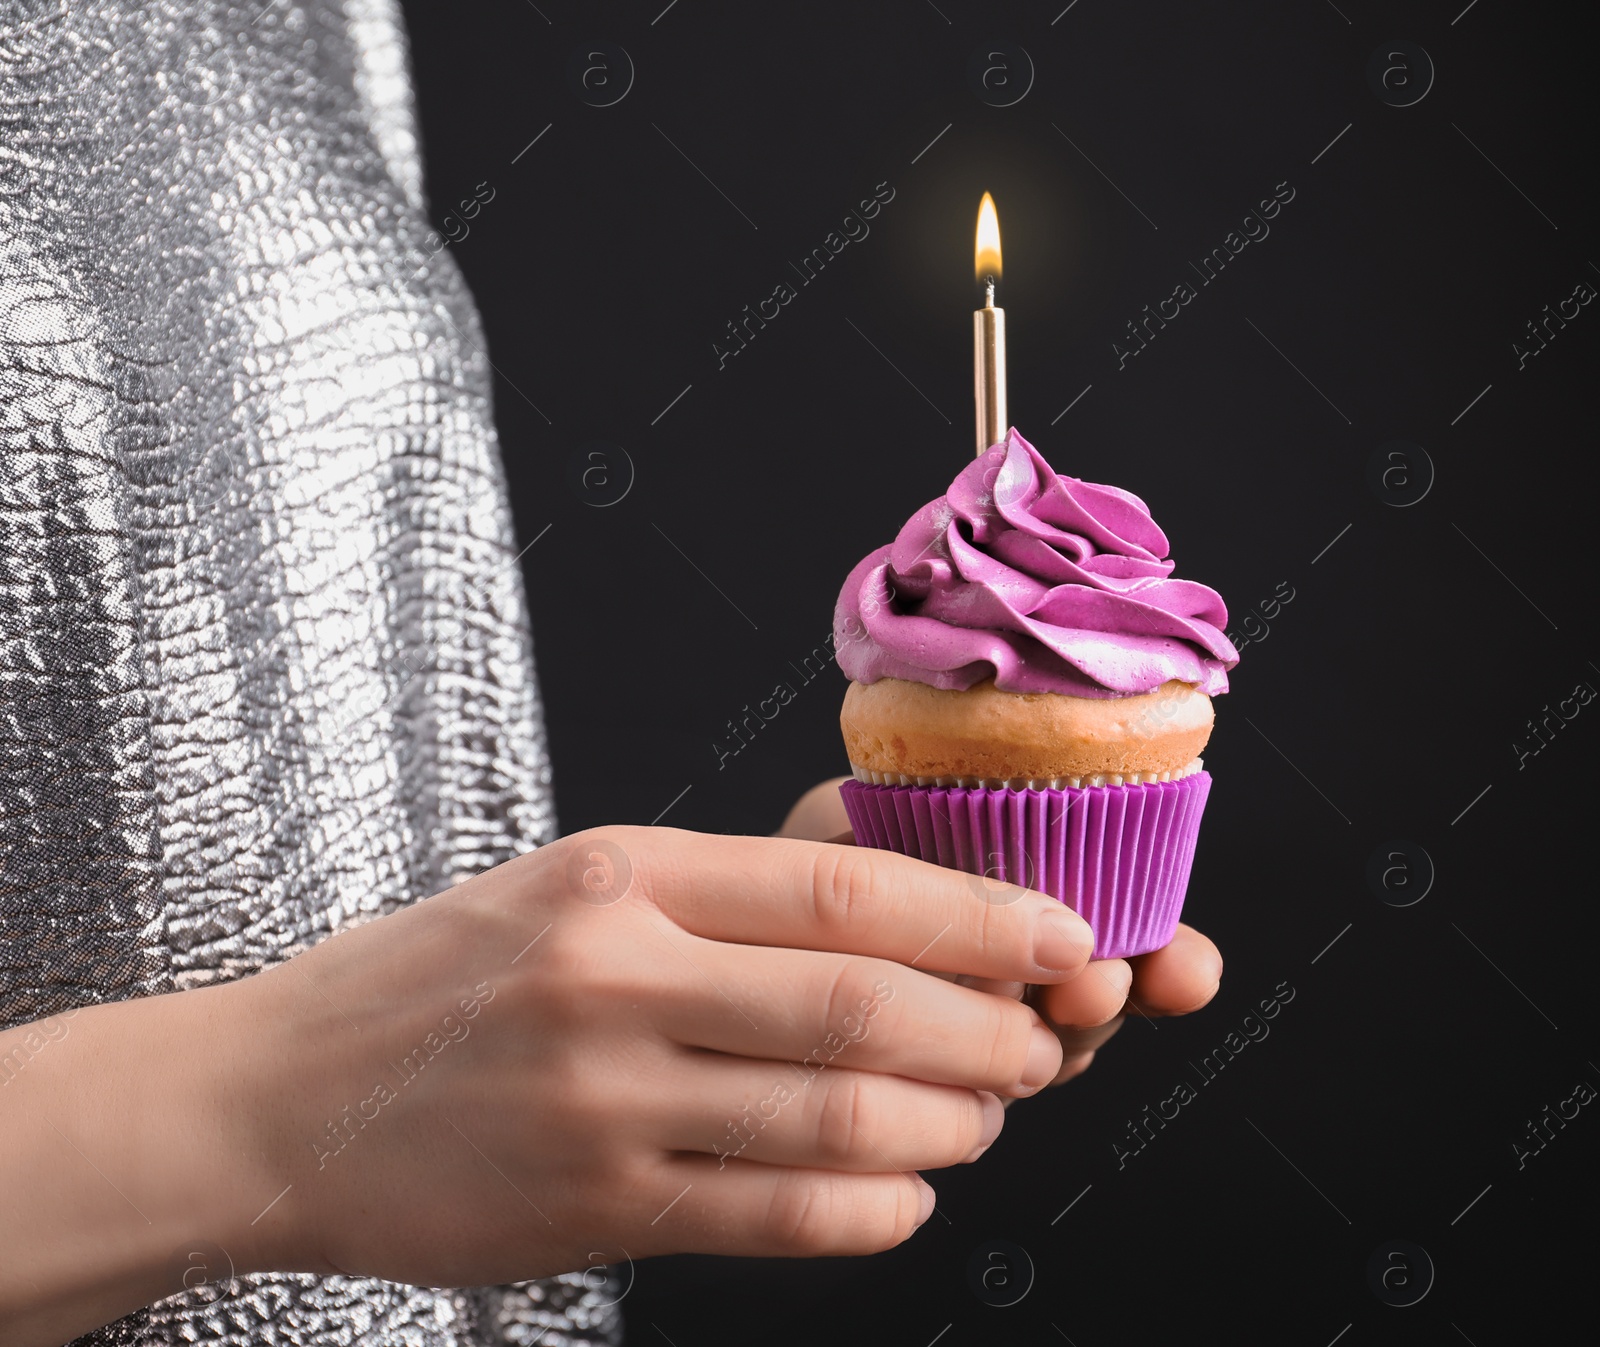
267,681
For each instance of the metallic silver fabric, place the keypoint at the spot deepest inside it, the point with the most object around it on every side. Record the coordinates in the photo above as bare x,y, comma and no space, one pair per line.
264,661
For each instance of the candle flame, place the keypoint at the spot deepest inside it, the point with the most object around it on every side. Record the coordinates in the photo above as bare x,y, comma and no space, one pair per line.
986,247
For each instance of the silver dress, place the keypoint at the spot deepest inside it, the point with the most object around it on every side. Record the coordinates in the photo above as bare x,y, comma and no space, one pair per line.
265,669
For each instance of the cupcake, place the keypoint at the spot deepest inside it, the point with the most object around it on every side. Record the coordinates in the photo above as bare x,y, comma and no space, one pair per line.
1030,694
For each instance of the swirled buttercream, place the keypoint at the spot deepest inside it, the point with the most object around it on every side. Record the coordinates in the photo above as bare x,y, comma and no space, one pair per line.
1041,581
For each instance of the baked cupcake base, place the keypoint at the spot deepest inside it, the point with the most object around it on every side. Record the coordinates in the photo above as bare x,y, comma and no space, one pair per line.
1119,856
898,727
867,777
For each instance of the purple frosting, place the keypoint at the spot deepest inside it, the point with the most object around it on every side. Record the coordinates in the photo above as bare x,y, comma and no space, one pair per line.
1042,581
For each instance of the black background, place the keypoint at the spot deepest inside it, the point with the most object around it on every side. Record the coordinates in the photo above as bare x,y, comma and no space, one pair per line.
1388,696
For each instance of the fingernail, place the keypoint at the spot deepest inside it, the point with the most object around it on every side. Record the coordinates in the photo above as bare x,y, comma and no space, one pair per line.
926,1199
994,1118
1044,1058
1061,941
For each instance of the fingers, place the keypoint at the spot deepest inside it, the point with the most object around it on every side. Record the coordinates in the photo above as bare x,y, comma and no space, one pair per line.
1174,980
822,1010
1090,999
779,1113
1072,1066
818,814
767,1211
1085,1012
1178,978
854,900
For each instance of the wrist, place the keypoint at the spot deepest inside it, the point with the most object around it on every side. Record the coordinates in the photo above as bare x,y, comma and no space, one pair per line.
242,1192
185,1120
187,1117
129,1158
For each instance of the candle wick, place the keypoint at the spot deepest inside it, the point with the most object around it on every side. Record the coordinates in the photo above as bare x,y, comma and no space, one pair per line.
988,295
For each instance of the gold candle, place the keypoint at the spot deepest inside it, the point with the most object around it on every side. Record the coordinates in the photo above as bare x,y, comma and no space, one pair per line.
988,333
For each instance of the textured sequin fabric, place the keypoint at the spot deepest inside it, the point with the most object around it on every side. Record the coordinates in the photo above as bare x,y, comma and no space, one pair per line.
264,661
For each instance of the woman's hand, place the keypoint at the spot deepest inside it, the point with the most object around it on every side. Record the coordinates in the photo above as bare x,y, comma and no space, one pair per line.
634,1041
1086,1010
644,1040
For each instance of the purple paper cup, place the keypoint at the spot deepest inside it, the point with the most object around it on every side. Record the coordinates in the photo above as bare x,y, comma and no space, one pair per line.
1118,856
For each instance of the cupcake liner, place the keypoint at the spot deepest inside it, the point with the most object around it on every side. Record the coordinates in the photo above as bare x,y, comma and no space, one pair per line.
1119,856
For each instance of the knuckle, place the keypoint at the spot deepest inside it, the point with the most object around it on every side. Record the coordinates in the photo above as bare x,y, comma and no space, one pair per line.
598,865
943,1124
1008,1034
967,1128
800,1214
997,934
844,1119
843,883
854,986
580,974
559,944
813,1214
563,964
